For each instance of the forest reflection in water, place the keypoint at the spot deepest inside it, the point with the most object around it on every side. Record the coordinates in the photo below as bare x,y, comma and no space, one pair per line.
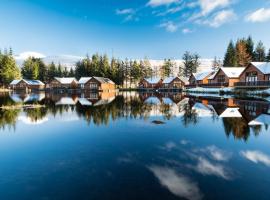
240,117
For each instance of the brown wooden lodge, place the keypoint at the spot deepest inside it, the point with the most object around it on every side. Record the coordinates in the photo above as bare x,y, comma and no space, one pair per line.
255,75
66,83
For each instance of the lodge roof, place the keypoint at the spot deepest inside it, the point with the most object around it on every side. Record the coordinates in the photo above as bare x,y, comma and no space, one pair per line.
153,80
29,82
170,79
231,112
201,75
264,67
66,80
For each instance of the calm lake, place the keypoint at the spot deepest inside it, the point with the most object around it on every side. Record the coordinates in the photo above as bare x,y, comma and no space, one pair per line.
133,146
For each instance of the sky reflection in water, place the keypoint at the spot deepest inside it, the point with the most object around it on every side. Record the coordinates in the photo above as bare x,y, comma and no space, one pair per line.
108,146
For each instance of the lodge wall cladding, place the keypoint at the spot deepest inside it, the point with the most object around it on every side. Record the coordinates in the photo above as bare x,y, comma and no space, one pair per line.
220,73
89,84
251,68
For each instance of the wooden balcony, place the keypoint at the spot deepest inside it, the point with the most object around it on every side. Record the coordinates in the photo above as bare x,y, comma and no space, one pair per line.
254,84
209,85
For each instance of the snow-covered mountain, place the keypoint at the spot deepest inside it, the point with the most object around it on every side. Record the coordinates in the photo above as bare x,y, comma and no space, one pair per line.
69,61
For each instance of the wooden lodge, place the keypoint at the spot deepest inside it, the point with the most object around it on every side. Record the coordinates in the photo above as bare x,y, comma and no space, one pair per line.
255,75
173,83
63,83
225,77
24,84
200,78
150,83
96,83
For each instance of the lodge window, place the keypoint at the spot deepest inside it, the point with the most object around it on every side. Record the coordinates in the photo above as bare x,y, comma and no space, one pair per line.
221,78
93,85
166,85
251,76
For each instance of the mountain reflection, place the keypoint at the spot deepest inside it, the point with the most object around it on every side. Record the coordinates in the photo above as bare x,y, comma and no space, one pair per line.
240,117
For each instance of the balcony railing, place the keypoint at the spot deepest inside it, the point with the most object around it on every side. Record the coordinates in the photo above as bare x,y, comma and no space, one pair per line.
209,85
253,84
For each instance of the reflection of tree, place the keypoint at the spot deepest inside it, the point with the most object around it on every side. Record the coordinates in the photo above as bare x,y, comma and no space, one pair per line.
256,129
166,111
236,126
8,117
190,116
36,114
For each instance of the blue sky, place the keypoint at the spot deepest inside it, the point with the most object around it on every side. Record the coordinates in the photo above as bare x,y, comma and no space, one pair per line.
131,28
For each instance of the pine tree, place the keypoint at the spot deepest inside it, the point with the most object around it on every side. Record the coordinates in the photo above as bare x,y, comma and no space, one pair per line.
191,63
230,56
260,52
242,56
30,69
8,69
267,59
166,68
250,47
52,71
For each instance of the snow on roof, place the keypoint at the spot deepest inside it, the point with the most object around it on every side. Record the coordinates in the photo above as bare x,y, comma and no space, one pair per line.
15,82
261,120
84,80
153,80
29,82
233,72
168,79
85,102
66,80
212,76
34,82
231,112
264,67
201,75
103,80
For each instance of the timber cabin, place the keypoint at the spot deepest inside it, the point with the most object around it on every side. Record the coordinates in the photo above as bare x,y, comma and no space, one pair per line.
63,83
174,83
256,74
96,83
24,84
225,77
200,78
150,83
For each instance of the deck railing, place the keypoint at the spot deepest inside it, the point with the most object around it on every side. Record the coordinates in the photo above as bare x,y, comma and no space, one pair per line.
253,84
209,85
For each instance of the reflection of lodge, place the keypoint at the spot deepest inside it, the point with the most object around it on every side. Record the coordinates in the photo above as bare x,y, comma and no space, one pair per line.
27,97
85,99
24,84
238,116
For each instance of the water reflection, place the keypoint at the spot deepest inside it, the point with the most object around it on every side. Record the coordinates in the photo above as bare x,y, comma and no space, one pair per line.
240,117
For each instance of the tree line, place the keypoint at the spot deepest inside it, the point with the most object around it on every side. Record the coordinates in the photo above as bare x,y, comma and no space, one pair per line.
244,51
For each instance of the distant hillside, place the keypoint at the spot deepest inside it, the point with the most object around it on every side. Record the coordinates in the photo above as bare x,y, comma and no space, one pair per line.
69,61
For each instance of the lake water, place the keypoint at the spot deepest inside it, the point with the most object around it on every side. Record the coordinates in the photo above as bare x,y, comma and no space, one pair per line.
133,146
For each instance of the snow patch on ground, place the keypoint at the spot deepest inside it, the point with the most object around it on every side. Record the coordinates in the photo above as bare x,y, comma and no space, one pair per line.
209,90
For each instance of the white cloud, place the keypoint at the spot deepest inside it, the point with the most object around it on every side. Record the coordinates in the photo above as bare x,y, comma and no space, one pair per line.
179,185
256,157
260,15
27,54
186,31
218,154
209,6
127,11
170,11
169,26
207,168
220,18
155,3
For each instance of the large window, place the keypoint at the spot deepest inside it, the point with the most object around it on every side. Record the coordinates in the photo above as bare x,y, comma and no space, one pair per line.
93,85
251,76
